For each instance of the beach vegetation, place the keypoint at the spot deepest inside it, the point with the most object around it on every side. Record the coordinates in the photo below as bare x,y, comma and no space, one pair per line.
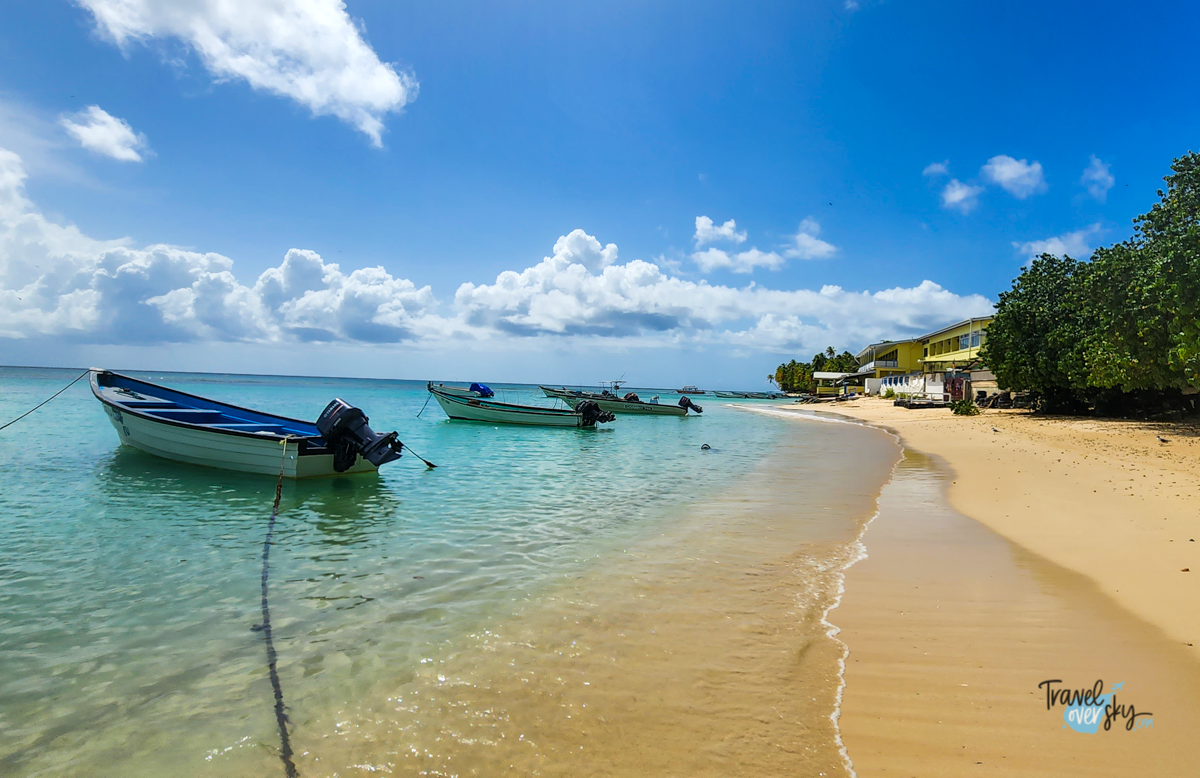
965,407
794,376
889,393
1118,334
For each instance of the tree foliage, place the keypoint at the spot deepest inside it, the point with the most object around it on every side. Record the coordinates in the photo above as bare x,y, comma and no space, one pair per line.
796,376
1115,330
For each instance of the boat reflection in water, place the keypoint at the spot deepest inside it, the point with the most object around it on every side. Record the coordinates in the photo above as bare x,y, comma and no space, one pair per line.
343,510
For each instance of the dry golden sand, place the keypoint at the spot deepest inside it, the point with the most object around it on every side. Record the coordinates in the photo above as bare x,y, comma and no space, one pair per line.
951,626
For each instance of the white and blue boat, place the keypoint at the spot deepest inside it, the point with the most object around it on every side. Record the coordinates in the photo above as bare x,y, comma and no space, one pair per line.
186,428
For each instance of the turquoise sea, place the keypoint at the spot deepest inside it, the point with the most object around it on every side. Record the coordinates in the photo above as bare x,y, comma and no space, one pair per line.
130,585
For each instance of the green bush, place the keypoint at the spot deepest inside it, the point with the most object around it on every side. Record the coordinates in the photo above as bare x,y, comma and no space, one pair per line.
889,394
964,408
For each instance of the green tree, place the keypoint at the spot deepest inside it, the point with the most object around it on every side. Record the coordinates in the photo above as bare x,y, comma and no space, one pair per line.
1035,330
1115,333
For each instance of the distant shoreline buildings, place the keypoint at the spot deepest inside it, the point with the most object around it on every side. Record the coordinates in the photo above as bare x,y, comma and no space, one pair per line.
943,362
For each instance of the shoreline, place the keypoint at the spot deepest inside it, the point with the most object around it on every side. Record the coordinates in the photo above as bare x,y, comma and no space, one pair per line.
949,625
1047,484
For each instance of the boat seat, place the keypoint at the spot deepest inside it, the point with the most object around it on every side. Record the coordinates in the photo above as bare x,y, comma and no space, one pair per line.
274,429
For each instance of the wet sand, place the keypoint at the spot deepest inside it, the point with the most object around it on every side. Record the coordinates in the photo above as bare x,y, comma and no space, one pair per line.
1103,498
702,651
951,628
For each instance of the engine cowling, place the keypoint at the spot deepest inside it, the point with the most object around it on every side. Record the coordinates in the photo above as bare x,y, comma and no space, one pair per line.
348,435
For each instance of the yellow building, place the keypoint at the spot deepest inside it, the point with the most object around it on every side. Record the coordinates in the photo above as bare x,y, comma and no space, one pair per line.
950,361
943,364
891,357
955,347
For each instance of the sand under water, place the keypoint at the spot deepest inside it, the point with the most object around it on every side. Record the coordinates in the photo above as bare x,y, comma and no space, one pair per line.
621,604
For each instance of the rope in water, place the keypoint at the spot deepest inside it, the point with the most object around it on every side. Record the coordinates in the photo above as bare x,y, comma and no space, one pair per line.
281,719
48,399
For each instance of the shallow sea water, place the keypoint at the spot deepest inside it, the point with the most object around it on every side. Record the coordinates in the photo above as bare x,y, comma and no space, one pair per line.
545,602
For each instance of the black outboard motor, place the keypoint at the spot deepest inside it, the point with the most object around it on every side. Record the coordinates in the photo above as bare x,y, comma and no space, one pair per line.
592,413
345,430
687,404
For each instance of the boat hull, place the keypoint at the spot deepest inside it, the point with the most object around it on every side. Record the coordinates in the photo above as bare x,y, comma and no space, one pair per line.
477,409
210,449
241,452
616,405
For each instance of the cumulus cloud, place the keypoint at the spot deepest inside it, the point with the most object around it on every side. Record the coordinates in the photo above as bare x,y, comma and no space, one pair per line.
961,197
806,245
739,262
54,280
1097,179
708,232
640,303
309,51
57,282
1019,177
937,169
1074,244
99,131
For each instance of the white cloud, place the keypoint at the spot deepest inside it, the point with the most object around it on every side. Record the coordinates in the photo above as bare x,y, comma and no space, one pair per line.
937,169
310,51
1097,179
739,262
99,131
707,232
1018,177
54,280
960,196
851,5
58,283
806,245
1074,244
638,303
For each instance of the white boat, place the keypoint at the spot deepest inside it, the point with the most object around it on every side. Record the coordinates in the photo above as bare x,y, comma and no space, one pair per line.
689,389
475,390
186,428
615,404
492,411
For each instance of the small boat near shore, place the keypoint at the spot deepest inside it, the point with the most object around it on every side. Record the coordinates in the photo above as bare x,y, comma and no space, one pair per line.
482,409
630,403
186,428
732,395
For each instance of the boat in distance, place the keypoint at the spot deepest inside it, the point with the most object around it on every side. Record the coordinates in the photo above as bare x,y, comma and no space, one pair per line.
187,428
630,403
463,408
689,389
475,390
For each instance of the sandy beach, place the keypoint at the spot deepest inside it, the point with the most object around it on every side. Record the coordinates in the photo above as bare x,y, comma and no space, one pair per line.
1059,552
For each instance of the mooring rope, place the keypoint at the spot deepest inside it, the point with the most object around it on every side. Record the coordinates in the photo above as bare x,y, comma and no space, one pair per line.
281,719
43,402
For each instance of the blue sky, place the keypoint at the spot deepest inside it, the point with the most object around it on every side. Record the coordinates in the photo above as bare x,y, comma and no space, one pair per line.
450,145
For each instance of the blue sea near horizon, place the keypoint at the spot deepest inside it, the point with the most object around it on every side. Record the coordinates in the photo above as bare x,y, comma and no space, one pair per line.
129,585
